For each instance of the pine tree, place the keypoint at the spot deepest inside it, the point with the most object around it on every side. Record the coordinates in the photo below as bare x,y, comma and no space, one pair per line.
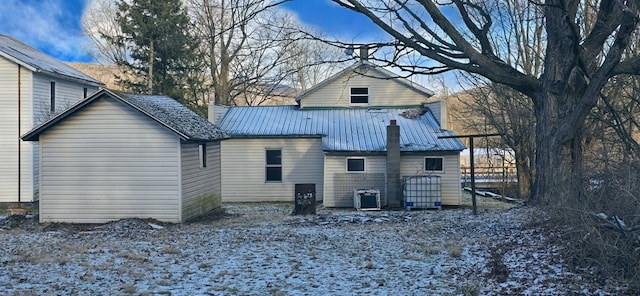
162,51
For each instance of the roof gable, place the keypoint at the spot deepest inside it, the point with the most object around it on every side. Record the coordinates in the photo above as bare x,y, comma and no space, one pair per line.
364,68
37,61
166,111
349,130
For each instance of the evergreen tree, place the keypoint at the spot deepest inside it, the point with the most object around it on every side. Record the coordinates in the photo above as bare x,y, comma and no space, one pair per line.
162,52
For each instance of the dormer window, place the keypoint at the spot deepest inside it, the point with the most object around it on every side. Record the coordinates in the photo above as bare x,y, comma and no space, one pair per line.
359,95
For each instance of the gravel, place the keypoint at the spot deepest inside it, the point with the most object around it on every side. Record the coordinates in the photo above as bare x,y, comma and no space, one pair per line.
260,249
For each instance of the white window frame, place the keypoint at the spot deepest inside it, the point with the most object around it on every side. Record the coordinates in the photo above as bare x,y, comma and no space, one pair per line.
364,164
351,95
424,164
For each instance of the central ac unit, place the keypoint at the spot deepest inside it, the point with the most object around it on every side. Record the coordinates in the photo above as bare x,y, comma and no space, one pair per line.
366,199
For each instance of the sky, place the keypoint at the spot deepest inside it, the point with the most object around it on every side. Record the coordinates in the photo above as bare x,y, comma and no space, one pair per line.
55,26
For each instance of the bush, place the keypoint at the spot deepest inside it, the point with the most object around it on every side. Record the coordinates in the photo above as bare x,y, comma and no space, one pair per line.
602,229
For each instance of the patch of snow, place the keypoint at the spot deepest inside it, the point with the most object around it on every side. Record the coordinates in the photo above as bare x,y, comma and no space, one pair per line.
261,250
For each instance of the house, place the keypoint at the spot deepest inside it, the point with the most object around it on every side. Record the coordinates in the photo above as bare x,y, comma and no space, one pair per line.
363,128
114,156
33,86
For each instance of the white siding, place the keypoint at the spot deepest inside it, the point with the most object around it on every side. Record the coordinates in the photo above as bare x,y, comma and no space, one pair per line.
200,186
9,135
67,93
243,168
337,165
382,92
411,165
109,162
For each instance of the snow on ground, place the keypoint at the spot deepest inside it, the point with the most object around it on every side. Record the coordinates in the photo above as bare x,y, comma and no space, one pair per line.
263,250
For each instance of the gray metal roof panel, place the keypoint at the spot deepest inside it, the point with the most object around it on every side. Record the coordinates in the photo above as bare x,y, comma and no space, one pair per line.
361,129
38,61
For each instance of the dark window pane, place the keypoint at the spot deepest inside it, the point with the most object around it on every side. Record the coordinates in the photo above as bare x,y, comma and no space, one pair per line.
433,164
359,99
355,165
274,157
359,91
274,174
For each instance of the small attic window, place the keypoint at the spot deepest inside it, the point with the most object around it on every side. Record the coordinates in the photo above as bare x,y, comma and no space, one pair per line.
359,95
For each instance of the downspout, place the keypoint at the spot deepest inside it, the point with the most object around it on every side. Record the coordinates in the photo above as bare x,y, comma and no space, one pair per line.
19,140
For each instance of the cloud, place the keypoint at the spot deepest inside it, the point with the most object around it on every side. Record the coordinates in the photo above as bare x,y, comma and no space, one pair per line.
51,26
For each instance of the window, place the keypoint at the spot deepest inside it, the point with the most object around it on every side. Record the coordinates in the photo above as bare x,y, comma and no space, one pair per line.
359,95
202,155
355,165
84,93
433,164
52,96
273,168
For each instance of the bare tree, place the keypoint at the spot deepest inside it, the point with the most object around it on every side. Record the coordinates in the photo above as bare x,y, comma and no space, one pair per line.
245,42
578,61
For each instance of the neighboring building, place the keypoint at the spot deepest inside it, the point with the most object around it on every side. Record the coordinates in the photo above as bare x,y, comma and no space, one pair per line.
38,86
337,138
115,156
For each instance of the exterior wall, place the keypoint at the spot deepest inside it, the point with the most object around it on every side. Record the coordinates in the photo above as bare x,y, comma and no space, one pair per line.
339,185
34,92
411,165
9,134
108,162
201,188
243,168
382,92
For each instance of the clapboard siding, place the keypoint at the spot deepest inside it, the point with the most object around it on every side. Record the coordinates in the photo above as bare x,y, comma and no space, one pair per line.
412,165
97,172
243,166
201,188
9,135
382,92
337,164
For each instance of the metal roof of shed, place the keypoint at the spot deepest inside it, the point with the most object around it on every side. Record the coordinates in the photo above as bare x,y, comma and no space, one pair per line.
347,129
37,61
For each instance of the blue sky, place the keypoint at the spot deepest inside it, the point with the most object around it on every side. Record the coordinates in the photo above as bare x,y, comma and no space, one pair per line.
55,26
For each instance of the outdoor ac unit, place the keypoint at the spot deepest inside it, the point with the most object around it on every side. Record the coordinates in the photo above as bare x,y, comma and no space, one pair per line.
366,199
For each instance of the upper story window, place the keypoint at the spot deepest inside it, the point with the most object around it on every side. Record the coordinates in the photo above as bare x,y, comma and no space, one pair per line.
355,165
52,96
433,164
85,92
359,95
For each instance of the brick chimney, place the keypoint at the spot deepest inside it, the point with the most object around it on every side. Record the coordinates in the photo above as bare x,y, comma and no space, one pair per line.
394,184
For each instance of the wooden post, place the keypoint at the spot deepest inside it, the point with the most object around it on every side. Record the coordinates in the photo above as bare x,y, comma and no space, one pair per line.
471,160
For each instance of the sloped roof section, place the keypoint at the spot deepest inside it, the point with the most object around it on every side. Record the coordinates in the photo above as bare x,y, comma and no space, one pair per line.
362,67
164,110
37,61
341,130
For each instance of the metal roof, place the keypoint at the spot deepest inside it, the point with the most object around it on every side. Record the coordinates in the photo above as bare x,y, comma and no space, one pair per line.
37,61
346,129
164,110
